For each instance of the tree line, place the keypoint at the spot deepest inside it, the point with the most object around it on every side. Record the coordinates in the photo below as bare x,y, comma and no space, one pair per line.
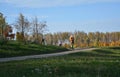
82,39
33,32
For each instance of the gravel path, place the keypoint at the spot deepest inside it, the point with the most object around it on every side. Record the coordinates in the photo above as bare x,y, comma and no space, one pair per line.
42,55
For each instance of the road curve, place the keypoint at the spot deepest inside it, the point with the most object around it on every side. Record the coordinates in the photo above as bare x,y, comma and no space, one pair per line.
43,55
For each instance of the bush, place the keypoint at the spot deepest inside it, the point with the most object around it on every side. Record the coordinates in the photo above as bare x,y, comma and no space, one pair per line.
3,41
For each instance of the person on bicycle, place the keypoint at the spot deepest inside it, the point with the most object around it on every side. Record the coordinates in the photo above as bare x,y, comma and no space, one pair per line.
72,41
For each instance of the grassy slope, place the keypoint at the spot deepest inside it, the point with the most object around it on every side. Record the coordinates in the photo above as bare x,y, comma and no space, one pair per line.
16,49
97,63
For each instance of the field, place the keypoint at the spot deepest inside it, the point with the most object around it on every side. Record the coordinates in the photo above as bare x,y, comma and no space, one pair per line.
104,62
13,49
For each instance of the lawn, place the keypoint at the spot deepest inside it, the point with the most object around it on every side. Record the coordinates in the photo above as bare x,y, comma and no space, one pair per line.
104,62
16,49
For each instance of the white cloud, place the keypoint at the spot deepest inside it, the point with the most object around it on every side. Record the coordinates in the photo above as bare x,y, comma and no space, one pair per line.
51,3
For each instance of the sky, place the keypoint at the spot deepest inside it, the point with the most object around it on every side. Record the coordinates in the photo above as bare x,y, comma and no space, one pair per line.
67,15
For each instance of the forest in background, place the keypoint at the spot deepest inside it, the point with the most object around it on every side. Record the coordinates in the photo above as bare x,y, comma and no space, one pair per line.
33,32
82,39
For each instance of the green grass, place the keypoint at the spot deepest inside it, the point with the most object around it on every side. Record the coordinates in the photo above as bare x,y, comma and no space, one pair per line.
103,62
16,49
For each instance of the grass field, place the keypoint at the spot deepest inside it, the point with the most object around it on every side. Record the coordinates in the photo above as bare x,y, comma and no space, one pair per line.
17,49
103,62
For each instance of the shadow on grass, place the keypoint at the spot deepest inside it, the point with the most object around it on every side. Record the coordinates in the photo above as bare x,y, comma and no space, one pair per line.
88,54
116,48
96,53
103,51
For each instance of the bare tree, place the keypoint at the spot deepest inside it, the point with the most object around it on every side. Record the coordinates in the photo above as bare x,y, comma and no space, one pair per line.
22,25
38,28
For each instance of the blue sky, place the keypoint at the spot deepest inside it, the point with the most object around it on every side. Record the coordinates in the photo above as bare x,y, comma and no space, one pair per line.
67,15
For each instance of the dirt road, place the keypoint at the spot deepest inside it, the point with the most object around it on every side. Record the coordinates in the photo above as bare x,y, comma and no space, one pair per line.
43,55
